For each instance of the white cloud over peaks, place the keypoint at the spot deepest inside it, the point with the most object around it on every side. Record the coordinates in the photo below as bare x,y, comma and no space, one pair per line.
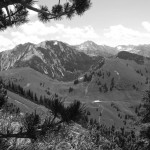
76,35
118,35
5,43
72,35
119,31
146,25
37,28
36,32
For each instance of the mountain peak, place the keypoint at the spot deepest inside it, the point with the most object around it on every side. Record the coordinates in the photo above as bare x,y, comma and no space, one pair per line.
53,58
89,43
93,49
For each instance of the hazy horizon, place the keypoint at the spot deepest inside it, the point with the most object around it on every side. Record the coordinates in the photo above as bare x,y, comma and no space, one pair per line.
78,44
107,22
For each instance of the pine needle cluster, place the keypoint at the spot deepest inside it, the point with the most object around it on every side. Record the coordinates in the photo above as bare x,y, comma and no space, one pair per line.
16,12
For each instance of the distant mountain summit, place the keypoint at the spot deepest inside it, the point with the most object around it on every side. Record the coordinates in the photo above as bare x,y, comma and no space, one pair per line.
143,50
56,59
92,49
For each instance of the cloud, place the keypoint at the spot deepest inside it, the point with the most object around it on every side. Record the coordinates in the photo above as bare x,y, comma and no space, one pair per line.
5,43
119,31
59,30
37,28
121,35
36,31
21,38
146,25
77,35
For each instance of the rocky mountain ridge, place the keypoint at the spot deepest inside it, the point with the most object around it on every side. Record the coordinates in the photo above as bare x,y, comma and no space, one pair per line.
143,50
92,49
62,61
56,59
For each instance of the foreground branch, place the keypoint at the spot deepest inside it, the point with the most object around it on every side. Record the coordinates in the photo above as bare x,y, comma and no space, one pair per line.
20,14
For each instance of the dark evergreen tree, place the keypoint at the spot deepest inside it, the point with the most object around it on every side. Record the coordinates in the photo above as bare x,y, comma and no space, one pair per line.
85,78
35,98
3,95
20,89
91,121
70,89
29,94
33,128
100,89
88,113
9,84
12,86
76,81
145,117
41,100
146,82
105,88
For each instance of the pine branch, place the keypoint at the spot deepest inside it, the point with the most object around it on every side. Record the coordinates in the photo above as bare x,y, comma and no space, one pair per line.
19,16
37,131
17,135
9,16
14,13
35,9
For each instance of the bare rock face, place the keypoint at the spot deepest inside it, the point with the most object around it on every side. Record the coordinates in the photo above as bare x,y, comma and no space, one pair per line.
92,49
56,59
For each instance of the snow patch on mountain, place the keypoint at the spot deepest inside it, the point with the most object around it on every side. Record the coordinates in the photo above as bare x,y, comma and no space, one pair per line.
61,72
45,71
116,72
80,78
27,85
135,51
44,45
61,47
119,48
55,43
124,48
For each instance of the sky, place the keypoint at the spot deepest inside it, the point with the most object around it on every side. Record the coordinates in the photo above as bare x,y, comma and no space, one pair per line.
107,22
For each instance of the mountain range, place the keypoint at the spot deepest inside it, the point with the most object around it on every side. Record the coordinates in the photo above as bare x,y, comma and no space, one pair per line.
87,72
60,60
56,59
92,49
143,50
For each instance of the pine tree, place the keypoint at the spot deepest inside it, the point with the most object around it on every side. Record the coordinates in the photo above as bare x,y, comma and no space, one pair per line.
12,86
35,98
76,81
105,88
70,89
20,90
19,14
145,117
41,100
34,128
3,95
